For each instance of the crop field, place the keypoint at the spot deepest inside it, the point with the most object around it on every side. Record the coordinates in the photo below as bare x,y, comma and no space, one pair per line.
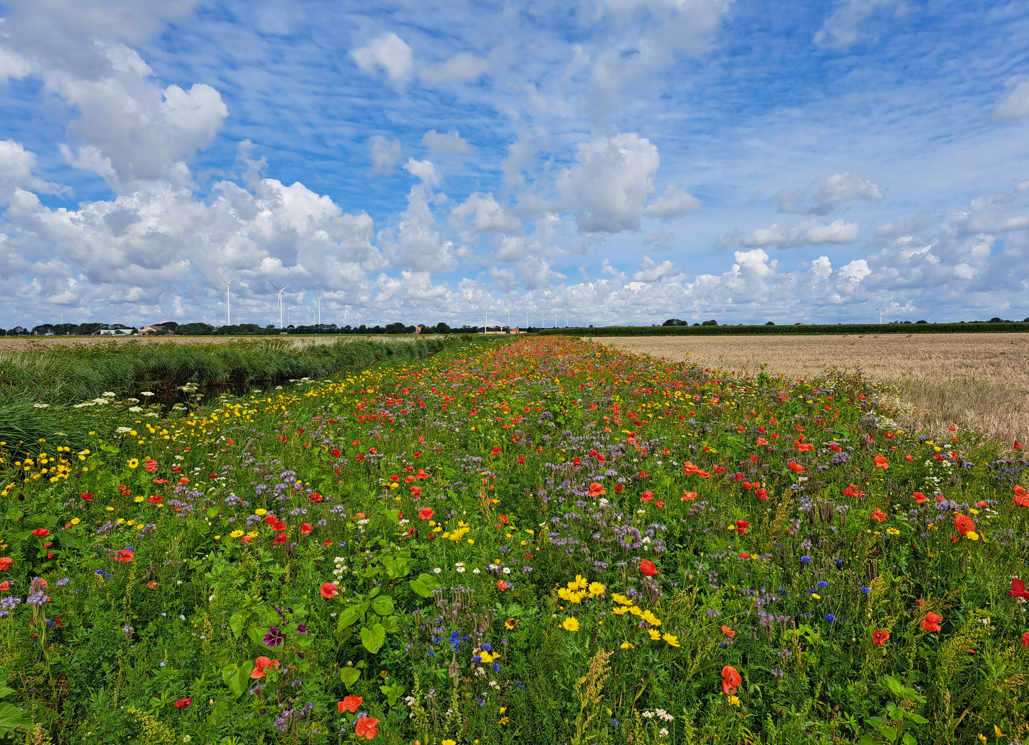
544,540
979,381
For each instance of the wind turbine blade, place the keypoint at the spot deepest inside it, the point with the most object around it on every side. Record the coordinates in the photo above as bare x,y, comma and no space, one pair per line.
273,286
283,289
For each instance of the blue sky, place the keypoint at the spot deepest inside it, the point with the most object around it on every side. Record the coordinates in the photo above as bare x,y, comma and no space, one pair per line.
621,161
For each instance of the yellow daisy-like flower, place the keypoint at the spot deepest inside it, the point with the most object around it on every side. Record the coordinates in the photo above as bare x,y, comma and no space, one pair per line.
636,611
671,639
621,599
651,618
816,596
596,589
654,634
619,610
510,624
262,512
733,700
627,645
972,535
892,531
570,624
75,521
236,534
133,463
449,742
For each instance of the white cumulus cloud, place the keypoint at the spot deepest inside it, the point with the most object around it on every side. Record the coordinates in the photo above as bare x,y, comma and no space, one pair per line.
389,53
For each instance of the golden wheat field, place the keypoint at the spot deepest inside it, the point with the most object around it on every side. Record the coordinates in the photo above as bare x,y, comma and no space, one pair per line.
977,381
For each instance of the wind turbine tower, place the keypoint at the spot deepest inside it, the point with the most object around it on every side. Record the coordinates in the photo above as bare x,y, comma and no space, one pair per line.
280,300
228,299
880,312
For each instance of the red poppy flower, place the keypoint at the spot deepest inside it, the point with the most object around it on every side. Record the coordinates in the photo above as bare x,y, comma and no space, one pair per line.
879,515
728,632
648,568
279,525
306,528
182,703
261,665
597,490
1025,640
280,538
87,497
741,527
731,680
881,462
123,555
367,727
1018,589
688,496
41,532
151,585
5,586
329,590
963,524
932,622
416,491
335,453
246,539
150,465
5,563
350,703
919,497
502,585
315,497
648,496
795,467
155,500
1021,497
880,637
426,513
1017,446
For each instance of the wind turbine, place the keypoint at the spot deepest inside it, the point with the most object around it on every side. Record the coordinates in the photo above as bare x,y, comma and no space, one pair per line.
319,301
880,312
228,299
280,300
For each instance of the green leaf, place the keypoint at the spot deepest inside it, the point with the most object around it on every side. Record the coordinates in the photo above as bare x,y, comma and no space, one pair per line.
237,677
14,514
236,624
383,605
373,638
424,584
888,732
909,739
916,718
350,615
349,675
255,634
212,513
895,685
10,717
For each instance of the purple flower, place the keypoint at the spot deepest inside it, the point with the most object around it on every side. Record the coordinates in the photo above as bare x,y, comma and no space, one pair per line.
302,628
274,637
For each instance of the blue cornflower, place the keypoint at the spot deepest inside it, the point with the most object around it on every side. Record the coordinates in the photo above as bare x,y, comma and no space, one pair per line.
496,667
487,648
823,584
805,559
830,617
865,590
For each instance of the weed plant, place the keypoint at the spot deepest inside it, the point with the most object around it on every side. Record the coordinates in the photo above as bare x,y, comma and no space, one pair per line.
533,542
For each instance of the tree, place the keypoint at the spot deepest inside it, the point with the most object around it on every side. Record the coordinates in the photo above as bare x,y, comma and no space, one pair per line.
396,328
442,328
712,322
195,329
675,322
770,323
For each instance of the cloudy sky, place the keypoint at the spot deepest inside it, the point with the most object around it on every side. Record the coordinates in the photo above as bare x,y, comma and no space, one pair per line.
621,161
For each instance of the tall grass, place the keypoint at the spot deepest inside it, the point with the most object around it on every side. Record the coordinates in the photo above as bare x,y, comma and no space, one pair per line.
38,389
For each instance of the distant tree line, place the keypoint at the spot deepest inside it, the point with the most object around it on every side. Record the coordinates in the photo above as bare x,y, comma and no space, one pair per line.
169,328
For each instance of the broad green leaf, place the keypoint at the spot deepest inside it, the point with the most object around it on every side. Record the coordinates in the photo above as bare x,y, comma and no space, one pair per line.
349,675
383,605
888,732
909,739
237,677
236,624
373,638
895,685
424,584
350,615
916,718
10,717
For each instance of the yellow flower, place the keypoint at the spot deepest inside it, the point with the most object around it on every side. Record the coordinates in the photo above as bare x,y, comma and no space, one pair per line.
75,521
997,732
816,596
619,610
261,512
139,499
635,611
651,618
570,624
892,531
671,639
596,589
655,635
449,742
972,535
621,599
510,624
627,645
236,534
733,700
133,463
